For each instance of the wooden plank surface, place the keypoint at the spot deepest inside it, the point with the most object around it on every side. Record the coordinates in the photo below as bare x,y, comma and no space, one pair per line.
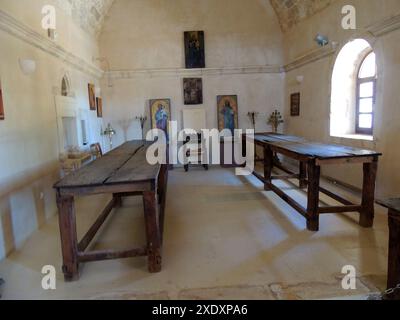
100,171
136,168
129,147
303,147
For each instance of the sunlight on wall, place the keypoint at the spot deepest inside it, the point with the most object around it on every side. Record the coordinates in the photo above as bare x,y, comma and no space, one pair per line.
343,97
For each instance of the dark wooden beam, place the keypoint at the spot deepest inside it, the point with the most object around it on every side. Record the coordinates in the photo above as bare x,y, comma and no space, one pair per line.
67,223
268,166
336,197
314,172
111,254
351,208
87,239
259,176
289,200
368,199
394,254
285,177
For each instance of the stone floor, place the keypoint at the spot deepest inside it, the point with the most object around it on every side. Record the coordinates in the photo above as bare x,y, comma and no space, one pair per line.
225,238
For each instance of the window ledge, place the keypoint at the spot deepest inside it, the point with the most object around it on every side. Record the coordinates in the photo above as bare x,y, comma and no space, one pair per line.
354,136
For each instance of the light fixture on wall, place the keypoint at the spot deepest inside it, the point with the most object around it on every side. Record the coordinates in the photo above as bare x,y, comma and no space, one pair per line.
28,66
300,79
334,44
321,40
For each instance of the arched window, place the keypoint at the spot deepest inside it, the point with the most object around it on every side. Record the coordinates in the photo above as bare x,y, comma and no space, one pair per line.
353,93
366,95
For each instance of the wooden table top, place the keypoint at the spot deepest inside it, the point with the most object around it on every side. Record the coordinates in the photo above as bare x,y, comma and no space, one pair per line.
316,150
123,165
392,204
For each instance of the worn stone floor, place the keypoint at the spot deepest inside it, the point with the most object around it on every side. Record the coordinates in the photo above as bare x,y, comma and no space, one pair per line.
225,238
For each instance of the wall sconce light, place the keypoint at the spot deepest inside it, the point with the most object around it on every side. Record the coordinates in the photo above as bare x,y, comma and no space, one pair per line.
334,45
300,79
321,40
28,66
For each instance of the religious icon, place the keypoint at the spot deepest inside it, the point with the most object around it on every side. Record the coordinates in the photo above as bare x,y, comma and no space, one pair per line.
160,110
92,96
194,50
99,107
228,113
193,91
295,104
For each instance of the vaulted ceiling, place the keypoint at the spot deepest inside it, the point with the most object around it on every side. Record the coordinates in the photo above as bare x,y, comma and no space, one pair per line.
291,12
90,14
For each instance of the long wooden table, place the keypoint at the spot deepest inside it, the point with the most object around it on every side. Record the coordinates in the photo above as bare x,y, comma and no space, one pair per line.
121,172
311,156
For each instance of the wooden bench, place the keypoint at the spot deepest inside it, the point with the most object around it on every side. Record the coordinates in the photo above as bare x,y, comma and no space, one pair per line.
394,246
121,172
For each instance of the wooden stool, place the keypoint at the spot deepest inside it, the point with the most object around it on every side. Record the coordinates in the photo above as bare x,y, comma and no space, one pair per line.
394,248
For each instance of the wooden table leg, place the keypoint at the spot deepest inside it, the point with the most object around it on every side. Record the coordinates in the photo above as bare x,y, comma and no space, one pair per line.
162,193
394,254
268,166
152,231
117,200
303,175
69,241
314,173
368,210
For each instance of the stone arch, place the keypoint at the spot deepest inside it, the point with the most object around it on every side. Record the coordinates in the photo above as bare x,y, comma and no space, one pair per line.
343,85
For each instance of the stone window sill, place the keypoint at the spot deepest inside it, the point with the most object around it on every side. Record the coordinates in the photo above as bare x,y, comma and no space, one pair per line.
354,137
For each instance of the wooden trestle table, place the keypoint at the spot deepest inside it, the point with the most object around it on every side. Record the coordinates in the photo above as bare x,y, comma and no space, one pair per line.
122,172
311,156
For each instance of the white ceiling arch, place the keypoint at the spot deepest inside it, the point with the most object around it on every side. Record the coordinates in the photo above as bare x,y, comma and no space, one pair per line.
90,14
291,12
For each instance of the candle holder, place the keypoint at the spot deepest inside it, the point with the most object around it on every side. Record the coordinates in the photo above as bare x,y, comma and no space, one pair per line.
110,132
275,120
253,118
142,120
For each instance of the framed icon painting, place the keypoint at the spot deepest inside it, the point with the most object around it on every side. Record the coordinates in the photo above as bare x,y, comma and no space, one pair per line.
295,104
228,116
99,103
160,111
193,91
92,96
194,50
